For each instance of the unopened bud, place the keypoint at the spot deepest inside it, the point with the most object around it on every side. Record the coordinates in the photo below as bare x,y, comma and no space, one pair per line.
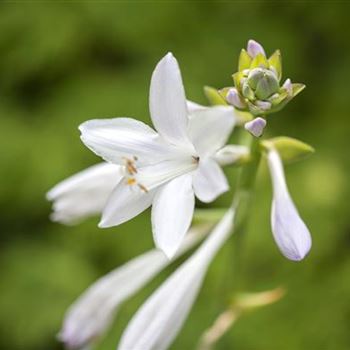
254,76
267,85
256,126
247,91
288,86
263,105
234,99
254,48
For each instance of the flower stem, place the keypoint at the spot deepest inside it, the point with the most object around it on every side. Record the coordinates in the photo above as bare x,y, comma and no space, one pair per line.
242,201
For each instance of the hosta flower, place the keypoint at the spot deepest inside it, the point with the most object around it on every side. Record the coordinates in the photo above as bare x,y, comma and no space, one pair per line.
84,193
258,86
160,318
167,168
291,234
91,315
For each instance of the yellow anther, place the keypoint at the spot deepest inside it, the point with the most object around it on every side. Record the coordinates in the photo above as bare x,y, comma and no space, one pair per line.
130,165
131,181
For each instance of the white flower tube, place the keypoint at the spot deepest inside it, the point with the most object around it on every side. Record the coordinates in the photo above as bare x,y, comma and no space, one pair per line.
161,317
290,232
84,193
91,315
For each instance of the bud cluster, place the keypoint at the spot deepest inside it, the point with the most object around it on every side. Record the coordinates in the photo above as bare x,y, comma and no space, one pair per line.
257,82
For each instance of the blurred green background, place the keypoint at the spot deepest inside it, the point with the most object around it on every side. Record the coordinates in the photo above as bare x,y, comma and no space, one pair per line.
62,63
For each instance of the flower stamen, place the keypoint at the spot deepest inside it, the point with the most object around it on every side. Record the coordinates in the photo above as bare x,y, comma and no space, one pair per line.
131,169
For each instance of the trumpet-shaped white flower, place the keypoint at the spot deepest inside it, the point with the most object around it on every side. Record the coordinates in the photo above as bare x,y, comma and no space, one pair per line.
289,230
161,317
165,169
90,316
84,193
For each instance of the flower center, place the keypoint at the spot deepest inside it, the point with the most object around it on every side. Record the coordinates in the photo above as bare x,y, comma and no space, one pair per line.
131,173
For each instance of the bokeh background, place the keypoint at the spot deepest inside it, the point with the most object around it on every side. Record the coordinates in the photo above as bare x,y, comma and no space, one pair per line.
62,63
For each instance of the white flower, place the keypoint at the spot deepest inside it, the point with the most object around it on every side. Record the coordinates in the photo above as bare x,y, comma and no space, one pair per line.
160,318
91,315
84,193
291,234
167,168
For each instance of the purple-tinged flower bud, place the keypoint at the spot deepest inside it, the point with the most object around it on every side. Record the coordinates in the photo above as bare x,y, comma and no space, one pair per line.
254,48
263,105
288,86
256,126
234,99
290,232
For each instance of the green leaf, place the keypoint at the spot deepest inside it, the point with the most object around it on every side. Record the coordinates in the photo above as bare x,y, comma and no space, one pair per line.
259,61
276,61
297,88
244,60
280,97
214,96
290,149
237,80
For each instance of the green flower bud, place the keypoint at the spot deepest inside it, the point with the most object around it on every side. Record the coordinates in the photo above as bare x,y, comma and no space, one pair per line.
248,92
257,82
267,85
254,76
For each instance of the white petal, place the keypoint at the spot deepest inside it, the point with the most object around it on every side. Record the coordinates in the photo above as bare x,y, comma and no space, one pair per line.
209,181
91,315
194,107
125,203
84,193
155,175
119,138
230,154
172,213
168,102
129,201
290,232
210,128
160,318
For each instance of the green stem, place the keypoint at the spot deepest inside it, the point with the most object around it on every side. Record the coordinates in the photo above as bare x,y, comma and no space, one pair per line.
242,202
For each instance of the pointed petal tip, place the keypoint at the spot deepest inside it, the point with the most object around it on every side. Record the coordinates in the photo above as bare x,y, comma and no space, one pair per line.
169,58
169,252
103,224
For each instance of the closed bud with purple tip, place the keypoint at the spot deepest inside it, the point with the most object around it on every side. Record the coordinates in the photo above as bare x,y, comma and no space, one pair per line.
258,86
289,230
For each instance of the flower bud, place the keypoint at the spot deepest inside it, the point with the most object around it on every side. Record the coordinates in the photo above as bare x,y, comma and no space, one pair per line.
256,126
257,82
289,230
248,92
254,48
234,99
267,85
288,86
